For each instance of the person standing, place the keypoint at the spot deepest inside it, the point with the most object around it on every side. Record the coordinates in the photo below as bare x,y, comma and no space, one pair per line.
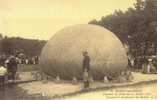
86,69
12,67
86,61
3,72
2,59
149,66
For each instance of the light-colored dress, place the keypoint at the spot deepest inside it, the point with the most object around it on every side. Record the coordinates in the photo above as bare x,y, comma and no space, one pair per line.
3,71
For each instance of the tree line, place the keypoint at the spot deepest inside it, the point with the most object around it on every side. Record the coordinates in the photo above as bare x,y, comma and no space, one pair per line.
16,45
136,27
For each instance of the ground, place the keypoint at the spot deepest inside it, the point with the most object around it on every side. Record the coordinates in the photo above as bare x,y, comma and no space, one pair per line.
139,92
141,87
53,89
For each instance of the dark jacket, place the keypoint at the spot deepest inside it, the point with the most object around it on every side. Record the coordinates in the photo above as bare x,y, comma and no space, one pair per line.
12,65
86,63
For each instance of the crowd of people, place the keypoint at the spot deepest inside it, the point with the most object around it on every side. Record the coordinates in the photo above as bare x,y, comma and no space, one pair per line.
147,64
143,57
9,66
23,59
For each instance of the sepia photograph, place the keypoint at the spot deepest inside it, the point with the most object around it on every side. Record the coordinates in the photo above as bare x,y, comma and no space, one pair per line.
78,49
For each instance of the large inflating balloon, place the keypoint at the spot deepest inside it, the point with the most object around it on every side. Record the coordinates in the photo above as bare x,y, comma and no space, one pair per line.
62,55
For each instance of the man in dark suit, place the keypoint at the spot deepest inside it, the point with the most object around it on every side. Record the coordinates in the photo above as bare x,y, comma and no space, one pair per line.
86,69
86,61
12,67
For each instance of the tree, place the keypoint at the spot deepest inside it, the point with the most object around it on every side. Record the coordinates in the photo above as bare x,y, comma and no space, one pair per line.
29,47
94,21
135,23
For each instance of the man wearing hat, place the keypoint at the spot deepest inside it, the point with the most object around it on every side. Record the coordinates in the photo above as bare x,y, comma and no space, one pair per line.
86,69
86,61
12,67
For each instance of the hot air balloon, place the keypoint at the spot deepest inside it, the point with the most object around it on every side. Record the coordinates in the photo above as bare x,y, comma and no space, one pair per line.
62,55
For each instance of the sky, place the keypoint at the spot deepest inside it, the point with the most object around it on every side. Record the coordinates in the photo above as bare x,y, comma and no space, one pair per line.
41,19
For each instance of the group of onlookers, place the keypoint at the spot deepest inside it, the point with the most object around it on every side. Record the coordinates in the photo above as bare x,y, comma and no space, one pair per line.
147,64
9,65
30,60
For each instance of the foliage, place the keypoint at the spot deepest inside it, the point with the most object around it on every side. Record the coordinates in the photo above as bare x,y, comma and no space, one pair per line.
16,45
136,26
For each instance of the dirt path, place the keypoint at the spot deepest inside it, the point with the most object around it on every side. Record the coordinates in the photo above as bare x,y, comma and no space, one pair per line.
136,92
13,92
57,89
39,90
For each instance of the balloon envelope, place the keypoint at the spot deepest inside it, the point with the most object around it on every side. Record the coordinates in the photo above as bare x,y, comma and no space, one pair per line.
62,55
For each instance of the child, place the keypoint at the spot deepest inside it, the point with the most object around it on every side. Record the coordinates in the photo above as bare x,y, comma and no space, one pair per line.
3,72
